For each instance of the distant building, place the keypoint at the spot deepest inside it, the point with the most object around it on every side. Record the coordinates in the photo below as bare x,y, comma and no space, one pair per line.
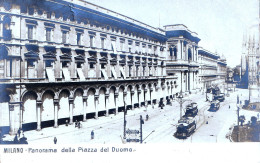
212,70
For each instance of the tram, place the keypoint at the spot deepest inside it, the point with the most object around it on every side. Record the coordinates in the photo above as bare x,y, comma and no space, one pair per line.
214,105
185,127
191,110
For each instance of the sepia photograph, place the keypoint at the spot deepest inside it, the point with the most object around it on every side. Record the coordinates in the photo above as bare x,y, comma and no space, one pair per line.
136,76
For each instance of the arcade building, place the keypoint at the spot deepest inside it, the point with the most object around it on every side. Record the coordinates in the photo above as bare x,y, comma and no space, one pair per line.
73,60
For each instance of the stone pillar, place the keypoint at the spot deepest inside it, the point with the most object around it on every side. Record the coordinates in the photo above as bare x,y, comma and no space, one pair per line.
139,101
21,117
132,96
106,102
71,110
145,99
182,52
39,104
116,102
125,104
14,121
85,98
56,104
96,106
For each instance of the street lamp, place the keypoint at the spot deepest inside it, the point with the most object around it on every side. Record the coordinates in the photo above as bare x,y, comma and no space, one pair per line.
181,101
239,106
124,120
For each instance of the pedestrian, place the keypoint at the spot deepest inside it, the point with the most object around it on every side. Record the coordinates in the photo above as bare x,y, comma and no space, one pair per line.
229,107
16,139
55,140
19,132
76,124
92,134
23,140
147,117
67,123
79,125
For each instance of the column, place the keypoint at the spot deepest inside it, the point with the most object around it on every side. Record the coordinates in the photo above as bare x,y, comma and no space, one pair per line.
21,117
186,83
85,98
96,106
145,98
71,110
151,91
193,80
181,81
139,101
98,67
14,121
56,104
132,94
39,104
182,57
125,104
106,102
116,102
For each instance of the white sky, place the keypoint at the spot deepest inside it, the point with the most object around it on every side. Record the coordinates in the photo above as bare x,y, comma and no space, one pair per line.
220,24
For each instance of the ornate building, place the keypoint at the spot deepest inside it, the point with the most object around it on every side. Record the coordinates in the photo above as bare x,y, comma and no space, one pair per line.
183,59
250,67
72,60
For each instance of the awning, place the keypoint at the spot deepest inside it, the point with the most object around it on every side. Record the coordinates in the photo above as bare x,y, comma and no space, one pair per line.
81,74
123,72
104,74
66,74
50,74
114,72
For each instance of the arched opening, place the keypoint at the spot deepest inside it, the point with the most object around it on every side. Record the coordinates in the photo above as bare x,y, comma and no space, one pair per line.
78,111
102,102
149,93
111,103
135,97
64,108
156,93
91,106
142,95
29,115
47,111
121,104
129,97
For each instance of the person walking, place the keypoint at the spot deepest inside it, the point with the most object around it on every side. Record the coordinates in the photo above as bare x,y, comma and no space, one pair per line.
92,134
55,140
147,117
67,123
79,125
76,124
16,141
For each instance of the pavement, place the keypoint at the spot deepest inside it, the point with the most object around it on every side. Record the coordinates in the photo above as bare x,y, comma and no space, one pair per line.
158,129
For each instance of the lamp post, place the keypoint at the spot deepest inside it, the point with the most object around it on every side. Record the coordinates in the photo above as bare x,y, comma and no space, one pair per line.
181,101
124,120
239,105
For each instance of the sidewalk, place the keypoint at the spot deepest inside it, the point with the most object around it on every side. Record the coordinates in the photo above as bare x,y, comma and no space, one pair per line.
110,127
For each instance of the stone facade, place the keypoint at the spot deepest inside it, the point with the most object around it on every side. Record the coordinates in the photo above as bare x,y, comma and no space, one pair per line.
65,61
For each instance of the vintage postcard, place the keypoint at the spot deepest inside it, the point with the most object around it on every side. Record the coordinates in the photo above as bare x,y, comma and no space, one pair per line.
156,81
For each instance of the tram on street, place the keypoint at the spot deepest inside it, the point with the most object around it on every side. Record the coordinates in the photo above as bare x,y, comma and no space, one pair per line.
214,105
185,127
191,110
